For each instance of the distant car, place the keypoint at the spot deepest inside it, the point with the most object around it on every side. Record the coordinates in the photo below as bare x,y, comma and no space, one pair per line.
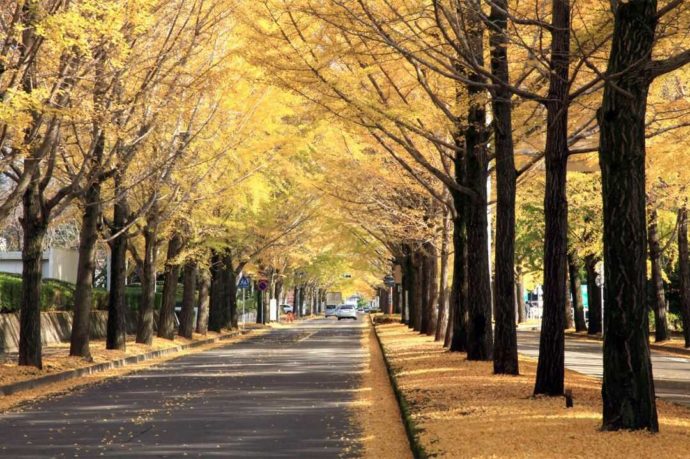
331,310
367,308
286,308
346,311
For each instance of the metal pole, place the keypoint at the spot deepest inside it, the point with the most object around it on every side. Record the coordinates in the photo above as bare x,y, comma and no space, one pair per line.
243,316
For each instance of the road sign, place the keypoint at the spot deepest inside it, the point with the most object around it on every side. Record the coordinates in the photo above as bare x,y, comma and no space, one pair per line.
244,282
389,281
262,285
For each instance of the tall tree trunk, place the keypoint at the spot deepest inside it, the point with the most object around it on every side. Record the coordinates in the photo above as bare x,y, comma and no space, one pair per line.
458,296
186,328
412,288
479,334
479,308
520,299
425,284
83,295
166,318
568,318
230,291
279,293
661,332
576,291
550,369
34,226
431,254
628,387
684,270
295,307
593,296
204,299
405,306
260,305
443,313
148,287
217,305
117,307
505,345
419,290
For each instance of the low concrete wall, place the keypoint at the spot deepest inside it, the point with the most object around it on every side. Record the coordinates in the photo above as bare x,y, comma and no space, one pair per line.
56,327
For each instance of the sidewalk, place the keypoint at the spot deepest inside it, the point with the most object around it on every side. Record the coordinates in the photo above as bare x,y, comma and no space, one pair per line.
460,409
676,345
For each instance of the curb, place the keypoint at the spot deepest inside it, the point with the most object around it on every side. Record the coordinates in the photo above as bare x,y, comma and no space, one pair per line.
10,389
411,429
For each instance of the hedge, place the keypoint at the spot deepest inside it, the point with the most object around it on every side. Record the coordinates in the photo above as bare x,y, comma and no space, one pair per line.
56,295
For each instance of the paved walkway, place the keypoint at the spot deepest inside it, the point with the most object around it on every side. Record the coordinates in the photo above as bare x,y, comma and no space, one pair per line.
282,394
671,374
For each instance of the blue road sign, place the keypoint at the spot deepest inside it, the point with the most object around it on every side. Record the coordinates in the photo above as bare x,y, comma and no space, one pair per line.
244,282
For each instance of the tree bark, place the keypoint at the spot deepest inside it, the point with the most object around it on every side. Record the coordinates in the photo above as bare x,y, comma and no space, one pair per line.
412,288
576,291
550,369
479,343
217,305
166,318
230,291
295,300
202,315
479,333
34,226
684,271
458,296
520,298
661,332
148,287
505,346
628,386
405,303
593,296
431,309
443,313
419,290
186,328
568,318
86,265
117,307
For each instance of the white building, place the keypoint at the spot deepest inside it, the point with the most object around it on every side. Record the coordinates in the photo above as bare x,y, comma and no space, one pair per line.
60,264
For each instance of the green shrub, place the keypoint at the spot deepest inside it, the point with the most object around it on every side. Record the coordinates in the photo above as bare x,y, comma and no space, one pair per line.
56,295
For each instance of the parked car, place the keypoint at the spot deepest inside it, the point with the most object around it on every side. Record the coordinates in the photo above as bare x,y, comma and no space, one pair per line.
286,308
331,310
346,311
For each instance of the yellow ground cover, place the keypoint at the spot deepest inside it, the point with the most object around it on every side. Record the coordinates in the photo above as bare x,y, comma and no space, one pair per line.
464,411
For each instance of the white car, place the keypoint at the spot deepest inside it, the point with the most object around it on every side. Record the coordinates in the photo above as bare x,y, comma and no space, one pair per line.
346,311
331,310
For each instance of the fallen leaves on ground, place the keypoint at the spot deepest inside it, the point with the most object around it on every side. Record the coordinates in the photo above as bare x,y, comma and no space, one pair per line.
463,410
376,411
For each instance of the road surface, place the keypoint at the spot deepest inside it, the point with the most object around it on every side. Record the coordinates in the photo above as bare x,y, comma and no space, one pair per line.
671,374
282,394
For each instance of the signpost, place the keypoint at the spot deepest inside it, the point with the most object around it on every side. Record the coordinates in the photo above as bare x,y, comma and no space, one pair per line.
244,284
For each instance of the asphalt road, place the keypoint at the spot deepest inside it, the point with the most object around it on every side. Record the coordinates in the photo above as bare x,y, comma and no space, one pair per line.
282,394
671,374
